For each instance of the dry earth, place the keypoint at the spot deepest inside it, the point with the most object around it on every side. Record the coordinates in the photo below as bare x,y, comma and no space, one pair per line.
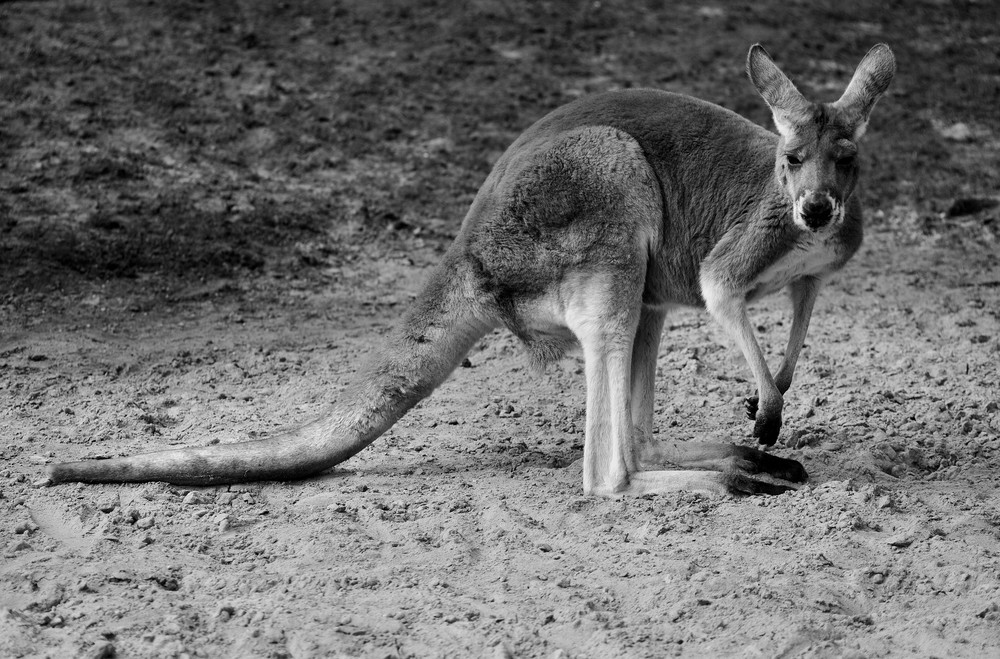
209,213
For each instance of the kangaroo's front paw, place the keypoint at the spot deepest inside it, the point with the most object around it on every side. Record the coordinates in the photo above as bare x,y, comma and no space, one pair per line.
767,427
750,402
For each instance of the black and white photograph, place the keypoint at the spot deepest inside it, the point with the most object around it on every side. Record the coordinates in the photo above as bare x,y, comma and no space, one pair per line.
556,329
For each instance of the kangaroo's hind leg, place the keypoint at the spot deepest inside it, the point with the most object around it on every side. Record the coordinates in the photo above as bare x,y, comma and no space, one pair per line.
644,352
734,463
604,312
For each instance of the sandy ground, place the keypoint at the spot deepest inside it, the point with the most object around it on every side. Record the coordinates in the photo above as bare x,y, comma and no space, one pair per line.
210,215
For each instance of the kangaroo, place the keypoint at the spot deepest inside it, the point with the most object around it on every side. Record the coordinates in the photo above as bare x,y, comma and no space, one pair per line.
596,221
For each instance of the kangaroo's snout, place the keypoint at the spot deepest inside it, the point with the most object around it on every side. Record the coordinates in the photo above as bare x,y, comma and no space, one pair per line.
815,210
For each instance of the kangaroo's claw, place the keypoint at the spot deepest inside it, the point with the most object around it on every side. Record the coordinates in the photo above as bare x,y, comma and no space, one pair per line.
738,483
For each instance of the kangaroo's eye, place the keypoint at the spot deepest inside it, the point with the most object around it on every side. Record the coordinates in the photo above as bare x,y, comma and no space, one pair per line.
793,160
845,163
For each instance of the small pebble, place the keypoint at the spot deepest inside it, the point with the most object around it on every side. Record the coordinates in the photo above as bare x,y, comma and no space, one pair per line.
145,523
958,132
27,526
900,540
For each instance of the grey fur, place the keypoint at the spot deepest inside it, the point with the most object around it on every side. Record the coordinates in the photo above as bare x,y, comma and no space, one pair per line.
598,218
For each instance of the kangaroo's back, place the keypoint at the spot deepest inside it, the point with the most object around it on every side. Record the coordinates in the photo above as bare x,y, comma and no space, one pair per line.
692,145
675,131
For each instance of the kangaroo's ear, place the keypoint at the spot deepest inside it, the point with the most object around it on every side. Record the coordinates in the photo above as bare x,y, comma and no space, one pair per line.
787,104
870,81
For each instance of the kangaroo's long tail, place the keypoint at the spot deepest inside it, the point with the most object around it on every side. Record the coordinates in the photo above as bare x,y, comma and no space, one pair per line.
436,333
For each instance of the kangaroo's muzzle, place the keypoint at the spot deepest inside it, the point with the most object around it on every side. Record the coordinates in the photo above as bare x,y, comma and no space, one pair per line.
815,210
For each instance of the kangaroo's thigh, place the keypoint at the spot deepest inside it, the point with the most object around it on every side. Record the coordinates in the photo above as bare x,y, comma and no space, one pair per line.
558,210
555,204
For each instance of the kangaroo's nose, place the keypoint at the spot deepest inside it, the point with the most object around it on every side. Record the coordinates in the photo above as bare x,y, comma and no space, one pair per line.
817,211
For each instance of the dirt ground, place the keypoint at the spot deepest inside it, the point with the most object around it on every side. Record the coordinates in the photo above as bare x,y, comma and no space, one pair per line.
210,212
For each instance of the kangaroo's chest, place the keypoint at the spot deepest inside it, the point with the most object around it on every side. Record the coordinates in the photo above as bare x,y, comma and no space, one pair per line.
811,256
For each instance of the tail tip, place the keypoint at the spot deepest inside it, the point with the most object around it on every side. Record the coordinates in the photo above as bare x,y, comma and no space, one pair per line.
53,474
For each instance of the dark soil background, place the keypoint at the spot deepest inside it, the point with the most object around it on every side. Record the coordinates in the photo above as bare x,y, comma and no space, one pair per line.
210,211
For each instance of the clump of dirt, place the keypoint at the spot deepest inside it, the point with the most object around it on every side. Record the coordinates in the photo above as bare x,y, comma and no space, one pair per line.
209,213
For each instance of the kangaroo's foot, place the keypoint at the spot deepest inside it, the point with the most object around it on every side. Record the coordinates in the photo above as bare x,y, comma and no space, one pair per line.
754,461
728,482
737,482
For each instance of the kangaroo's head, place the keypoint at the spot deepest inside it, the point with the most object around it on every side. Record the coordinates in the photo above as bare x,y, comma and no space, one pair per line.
816,162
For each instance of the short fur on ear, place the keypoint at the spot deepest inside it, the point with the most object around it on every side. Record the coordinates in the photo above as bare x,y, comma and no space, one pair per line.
870,80
788,106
